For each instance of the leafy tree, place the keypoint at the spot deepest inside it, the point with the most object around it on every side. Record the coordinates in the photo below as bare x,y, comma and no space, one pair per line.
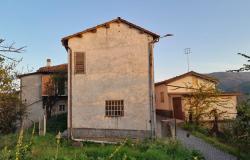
245,67
55,87
12,110
240,132
215,114
204,101
241,127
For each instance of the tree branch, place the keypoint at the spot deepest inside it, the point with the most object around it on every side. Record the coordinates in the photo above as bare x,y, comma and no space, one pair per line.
4,48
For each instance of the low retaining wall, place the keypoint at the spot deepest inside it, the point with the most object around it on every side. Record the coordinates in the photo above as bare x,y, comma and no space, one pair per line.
82,133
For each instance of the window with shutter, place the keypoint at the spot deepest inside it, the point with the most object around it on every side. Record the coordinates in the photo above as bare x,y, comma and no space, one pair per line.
80,63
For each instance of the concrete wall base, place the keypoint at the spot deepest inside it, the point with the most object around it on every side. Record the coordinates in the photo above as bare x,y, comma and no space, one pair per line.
86,133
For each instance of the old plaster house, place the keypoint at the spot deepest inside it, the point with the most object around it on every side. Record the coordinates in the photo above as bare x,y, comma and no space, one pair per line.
169,96
34,92
110,81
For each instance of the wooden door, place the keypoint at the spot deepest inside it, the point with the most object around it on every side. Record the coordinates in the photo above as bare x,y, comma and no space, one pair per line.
178,108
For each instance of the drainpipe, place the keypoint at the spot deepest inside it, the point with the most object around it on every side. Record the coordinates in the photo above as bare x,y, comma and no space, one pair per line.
151,89
70,135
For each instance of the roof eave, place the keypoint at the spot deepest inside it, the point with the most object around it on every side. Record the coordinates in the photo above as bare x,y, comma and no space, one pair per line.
27,74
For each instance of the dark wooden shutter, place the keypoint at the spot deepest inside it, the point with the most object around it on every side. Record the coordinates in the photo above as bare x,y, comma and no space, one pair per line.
162,97
79,63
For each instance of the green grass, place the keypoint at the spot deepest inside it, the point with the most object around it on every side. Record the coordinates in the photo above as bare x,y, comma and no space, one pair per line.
45,147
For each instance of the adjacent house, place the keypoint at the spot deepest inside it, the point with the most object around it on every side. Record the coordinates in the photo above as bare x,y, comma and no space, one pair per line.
169,96
110,81
35,92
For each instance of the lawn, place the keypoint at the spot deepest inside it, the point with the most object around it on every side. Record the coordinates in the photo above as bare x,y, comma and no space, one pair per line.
48,148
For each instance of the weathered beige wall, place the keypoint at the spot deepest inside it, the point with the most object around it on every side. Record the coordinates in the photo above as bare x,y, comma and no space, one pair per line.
116,68
188,81
162,105
230,106
56,111
31,95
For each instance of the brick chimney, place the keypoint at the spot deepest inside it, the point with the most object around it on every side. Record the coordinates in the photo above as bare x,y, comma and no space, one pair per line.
48,62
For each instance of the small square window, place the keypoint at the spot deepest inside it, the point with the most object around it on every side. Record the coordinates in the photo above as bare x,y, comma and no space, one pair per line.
114,108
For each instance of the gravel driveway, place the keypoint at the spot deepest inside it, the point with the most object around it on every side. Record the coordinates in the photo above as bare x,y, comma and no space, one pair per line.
209,151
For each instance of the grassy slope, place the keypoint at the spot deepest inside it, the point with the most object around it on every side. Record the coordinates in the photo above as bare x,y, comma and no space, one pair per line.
44,147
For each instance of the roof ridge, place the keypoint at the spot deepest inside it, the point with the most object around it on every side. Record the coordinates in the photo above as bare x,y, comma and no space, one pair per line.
55,65
65,39
55,68
186,74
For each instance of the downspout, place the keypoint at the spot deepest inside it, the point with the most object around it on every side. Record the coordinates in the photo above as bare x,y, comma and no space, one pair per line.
70,134
151,89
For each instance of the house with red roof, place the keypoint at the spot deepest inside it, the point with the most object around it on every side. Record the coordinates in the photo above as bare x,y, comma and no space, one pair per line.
35,91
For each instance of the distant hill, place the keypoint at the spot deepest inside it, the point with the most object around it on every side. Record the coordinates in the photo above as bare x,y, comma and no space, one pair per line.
233,81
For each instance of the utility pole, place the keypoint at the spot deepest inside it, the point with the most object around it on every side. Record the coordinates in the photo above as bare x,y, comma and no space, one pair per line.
151,85
187,51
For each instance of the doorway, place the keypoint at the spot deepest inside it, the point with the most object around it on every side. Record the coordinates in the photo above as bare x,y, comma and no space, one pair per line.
177,106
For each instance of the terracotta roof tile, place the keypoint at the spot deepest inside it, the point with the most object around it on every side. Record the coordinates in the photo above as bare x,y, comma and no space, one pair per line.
46,70
53,69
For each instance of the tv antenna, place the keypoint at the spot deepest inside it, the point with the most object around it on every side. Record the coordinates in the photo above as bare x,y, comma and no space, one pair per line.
187,51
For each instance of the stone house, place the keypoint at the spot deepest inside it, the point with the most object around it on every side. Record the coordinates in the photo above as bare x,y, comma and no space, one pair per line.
34,92
110,81
170,102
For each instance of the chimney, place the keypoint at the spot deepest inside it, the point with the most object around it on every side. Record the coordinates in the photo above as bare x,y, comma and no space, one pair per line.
48,62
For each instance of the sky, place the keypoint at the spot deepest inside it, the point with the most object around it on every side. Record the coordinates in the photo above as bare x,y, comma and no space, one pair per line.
215,30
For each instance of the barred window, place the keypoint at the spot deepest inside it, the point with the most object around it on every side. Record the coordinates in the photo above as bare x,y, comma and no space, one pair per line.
80,63
114,108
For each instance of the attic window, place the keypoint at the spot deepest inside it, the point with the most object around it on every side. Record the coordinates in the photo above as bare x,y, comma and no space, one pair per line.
114,108
80,63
